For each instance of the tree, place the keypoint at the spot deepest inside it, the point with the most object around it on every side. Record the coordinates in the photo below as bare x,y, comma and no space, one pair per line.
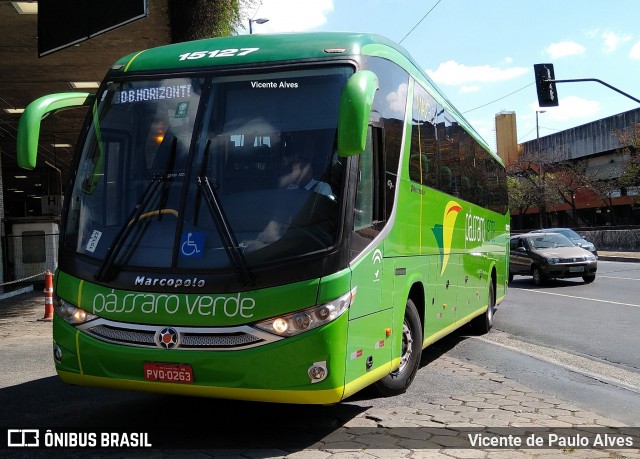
629,139
604,184
605,190
520,197
567,178
198,19
532,177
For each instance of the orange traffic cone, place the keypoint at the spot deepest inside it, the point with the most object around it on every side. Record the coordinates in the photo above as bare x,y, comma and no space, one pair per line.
48,296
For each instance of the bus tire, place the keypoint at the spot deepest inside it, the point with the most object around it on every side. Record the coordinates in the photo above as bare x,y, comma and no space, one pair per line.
483,323
398,381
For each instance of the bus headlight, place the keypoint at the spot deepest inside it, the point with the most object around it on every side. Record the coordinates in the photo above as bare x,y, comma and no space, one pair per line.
73,314
307,319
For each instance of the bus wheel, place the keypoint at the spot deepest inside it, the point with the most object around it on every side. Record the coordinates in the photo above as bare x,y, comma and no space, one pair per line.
483,323
399,380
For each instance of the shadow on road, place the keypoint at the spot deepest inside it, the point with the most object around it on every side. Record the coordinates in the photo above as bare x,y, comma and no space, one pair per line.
170,421
527,283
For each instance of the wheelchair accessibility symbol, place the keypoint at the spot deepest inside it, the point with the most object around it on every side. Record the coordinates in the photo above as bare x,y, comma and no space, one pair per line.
192,244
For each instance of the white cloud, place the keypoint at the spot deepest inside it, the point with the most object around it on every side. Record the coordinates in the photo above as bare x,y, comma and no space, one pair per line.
612,41
291,15
397,99
570,108
635,51
592,33
565,48
453,73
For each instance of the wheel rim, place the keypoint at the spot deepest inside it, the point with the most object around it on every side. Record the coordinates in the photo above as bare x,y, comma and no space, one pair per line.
407,346
491,304
536,275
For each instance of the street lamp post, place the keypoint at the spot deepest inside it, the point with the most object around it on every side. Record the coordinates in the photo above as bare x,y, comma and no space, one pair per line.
540,167
538,130
257,21
538,137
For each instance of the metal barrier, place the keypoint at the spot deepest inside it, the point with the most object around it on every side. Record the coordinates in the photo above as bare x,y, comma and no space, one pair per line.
28,256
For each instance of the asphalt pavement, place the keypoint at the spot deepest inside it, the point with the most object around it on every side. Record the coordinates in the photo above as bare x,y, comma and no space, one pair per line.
499,418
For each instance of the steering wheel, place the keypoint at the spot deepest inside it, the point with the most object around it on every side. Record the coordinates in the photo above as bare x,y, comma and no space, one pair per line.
157,213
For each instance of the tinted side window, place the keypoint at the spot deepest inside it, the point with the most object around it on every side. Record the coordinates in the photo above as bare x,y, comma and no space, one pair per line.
424,161
445,156
389,105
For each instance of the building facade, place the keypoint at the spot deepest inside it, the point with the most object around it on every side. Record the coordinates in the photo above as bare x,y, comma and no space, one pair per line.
599,202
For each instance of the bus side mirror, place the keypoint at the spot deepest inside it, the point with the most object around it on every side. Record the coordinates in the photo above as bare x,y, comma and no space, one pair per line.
29,127
355,108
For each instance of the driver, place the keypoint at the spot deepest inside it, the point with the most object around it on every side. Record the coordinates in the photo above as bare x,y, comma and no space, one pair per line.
300,176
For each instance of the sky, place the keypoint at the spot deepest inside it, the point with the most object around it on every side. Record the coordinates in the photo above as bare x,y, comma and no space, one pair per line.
481,52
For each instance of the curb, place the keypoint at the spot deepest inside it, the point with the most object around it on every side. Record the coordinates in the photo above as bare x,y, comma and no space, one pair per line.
20,291
618,258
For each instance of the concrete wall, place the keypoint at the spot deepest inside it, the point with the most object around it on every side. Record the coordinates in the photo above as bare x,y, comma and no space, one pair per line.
582,141
616,240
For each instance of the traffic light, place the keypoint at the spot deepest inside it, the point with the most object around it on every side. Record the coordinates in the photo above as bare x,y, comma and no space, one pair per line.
547,95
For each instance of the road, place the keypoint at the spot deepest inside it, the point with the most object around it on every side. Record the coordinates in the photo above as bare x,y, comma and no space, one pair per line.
573,340
598,320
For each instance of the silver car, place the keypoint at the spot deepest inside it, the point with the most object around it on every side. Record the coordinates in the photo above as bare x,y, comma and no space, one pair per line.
573,237
549,256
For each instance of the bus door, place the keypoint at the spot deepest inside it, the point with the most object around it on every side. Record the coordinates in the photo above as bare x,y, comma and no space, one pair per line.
371,313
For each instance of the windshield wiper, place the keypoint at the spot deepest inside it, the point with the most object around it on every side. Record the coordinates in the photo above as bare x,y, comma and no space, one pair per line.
203,173
168,174
225,231
149,192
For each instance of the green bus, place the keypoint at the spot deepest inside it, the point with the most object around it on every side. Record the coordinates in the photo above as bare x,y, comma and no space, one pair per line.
283,218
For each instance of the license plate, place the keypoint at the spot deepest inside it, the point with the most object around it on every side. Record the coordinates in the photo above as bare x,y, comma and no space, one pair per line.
168,372
576,269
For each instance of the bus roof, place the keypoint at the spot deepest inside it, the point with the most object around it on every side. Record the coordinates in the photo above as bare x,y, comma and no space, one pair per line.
259,48
271,48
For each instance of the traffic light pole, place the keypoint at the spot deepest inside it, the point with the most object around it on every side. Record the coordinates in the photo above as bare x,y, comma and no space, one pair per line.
597,81
546,85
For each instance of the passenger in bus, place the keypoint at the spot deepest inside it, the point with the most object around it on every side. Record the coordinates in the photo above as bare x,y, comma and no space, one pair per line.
164,130
157,132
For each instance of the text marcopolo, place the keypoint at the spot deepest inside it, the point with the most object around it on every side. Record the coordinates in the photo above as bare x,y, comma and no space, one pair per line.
169,282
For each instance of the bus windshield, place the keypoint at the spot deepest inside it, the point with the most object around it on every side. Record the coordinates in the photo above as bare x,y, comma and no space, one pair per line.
209,172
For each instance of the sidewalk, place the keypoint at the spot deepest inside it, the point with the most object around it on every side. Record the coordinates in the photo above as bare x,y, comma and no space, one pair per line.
496,410
619,256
